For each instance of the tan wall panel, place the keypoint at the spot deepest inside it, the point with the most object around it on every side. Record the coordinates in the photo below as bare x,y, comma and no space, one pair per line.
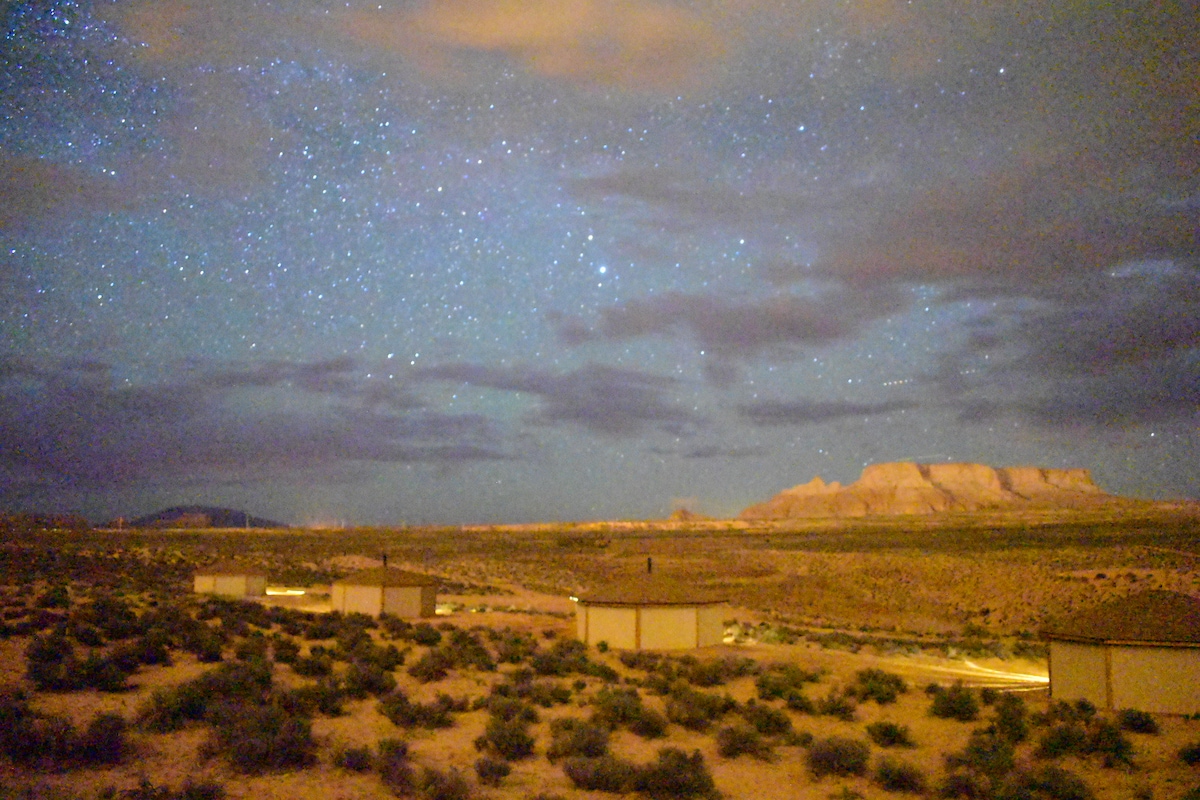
204,584
410,601
230,585
1077,672
615,625
256,585
1164,680
712,624
668,627
361,599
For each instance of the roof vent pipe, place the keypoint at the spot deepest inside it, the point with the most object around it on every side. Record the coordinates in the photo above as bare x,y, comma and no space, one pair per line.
649,565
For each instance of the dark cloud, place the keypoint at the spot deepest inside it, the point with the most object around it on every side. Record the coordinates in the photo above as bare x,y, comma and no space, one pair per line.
809,412
1114,351
73,425
33,191
732,331
607,400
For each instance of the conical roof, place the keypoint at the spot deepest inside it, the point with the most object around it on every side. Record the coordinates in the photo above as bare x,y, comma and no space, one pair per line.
650,589
387,576
1151,617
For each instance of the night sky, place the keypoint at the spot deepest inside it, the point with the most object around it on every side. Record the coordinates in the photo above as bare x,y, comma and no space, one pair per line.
514,260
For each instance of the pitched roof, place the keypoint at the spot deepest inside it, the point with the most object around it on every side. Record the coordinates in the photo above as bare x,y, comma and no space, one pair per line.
650,590
230,568
1152,617
387,576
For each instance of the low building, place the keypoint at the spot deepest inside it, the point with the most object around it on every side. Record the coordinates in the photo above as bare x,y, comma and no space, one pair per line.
651,613
1140,652
385,590
229,579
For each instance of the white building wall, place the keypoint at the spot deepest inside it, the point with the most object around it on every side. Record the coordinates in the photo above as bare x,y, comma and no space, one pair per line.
1077,672
711,625
616,625
668,627
1163,680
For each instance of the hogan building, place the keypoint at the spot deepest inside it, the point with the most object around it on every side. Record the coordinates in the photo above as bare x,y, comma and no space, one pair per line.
385,590
1140,652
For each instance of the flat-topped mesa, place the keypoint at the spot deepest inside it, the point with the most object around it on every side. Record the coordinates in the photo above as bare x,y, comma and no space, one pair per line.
905,487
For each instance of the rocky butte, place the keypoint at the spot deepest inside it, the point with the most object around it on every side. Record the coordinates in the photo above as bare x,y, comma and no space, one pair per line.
909,488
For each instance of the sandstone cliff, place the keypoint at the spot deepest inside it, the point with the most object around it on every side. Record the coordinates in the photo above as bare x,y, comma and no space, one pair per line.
909,488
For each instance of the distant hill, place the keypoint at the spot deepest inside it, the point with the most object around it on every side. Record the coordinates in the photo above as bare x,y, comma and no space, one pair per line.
909,488
200,517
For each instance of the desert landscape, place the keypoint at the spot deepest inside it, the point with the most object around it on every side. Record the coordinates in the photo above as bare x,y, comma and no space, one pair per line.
864,656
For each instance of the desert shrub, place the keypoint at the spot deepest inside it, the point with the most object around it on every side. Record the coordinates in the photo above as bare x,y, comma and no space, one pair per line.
145,790
325,697
899,776
114,616
1190,754
1106,740
491,771
649,724
837,704
51,664
601,774
466,650
256,738
54,597
508,738
797,700
1137,721
103,741
395,769
251,648
285,650
204,643
715,672
838,755
779,681
986,755
506,708
765,719
1044,783
545,693
572,738
697,710
564,657
675,774
425,634
404,713
889,734
354,759
431,667
433,784
314,665
102,674
1011,718
742,739
513,647
616,707
1063,739
640,659
169,709
965,785
364,678
878,685
955,702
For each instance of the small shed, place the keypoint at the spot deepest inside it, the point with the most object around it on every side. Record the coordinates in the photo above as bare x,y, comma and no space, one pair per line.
1140,652
651,612
230,579
386,590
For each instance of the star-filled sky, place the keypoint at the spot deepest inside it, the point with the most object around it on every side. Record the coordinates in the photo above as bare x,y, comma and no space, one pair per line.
513,260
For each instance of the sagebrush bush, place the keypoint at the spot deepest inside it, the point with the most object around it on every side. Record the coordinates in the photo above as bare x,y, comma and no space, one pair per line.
697,710
1011,718
491,771
837,755
987,754
257,738
1137,721
1190,754
1044,783
889,734
675,774
431,667
955,702
395,769
508,738
433,784
899,776
878,685
571,738
765,719
837,704
742,739
355,759
601,774
403,713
